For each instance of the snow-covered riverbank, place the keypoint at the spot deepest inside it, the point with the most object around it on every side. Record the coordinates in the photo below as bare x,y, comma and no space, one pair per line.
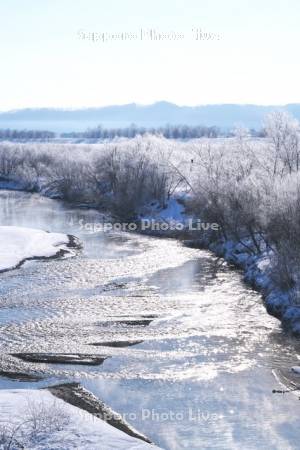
258,268
20,244
258,271
37,420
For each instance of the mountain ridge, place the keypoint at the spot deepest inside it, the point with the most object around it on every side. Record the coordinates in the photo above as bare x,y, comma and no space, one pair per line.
160,113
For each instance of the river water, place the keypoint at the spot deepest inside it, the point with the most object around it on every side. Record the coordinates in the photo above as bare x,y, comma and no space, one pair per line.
202,375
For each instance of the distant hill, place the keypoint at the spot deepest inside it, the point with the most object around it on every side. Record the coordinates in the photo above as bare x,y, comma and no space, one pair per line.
161,113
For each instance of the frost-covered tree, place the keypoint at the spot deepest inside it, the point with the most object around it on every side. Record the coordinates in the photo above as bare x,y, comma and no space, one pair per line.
283,130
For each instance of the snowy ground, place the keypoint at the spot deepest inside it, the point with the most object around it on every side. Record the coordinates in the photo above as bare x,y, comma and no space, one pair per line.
37,420
19,244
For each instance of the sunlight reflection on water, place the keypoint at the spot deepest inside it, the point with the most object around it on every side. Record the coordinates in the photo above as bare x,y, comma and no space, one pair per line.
210,344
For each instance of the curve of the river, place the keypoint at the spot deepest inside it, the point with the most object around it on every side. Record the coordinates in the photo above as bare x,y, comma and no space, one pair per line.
202,375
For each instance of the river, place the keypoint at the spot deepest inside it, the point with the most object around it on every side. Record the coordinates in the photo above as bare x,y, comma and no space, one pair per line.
202,375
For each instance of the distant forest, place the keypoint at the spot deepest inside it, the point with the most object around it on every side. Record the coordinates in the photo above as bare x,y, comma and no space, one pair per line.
13,135
99,133
168,131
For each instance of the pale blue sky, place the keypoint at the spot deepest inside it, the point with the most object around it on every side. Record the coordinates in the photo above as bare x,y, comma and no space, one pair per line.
44,63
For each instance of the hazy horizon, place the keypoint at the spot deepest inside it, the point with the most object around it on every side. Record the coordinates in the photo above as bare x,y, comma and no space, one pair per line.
224,116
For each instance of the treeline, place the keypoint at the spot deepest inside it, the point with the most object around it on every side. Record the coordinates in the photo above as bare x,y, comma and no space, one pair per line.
26,135
167,131
180,132
118,177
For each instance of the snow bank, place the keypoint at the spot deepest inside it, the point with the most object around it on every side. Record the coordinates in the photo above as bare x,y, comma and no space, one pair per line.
18,244
258,268
39,421
173,212
258,272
